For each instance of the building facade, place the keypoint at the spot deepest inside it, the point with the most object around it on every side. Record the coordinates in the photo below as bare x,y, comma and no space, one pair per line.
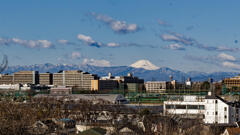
6,79
74,78
26,77
46,78
156,86
104,85
61,90
212,109
232,82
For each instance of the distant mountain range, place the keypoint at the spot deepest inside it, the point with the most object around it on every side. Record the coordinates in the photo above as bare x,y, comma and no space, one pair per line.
142,69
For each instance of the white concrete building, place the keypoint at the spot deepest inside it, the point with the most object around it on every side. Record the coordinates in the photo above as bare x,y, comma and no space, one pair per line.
156,86
10,86
211,109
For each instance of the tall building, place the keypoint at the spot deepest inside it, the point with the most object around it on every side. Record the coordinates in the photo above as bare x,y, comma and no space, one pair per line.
74,78
26,77
135,87
6,79
128,83
156,86
230,83
104,85
58,78
46,78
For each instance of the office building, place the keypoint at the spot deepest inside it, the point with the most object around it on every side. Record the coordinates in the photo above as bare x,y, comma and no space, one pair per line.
26,77
156,86
74,78
135,87
46,78
97,85
232,83
6,79
129,82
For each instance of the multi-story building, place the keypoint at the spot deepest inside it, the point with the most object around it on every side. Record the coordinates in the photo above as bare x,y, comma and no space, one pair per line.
6,79
104,85
46,78
232,82
74,78
212,109
156,86
135,87
58,78
26,77
128,83
61,90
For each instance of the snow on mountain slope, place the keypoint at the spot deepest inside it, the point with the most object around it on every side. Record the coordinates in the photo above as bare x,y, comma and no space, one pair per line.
145,64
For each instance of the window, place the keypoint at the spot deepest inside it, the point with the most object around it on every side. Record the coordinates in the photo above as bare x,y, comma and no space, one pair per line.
225,108
216,101
180,106
216,113
192,106
225,116
201,107
169,106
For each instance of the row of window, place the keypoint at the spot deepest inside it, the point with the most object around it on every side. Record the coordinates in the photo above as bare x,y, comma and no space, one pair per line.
201,107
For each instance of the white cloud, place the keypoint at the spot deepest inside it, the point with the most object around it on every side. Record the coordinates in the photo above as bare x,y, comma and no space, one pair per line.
85,38
178,38
116,25
76,55
163,23
225,56
175,47
231,65
88,40
62,41
188,41
94,62
26,43
112,44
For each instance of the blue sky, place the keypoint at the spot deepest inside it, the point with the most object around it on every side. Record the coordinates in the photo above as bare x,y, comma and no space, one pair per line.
180,34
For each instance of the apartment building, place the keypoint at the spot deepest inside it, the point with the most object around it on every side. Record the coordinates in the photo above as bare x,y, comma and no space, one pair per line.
6,79
26,77
46,78
156,86
232,82
103,85
212,109
74,78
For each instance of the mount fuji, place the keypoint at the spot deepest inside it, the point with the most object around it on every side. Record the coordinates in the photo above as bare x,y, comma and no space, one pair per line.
143,69
145,64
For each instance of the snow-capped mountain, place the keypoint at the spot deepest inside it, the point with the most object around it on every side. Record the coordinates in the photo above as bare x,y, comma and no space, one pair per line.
160,74
145,64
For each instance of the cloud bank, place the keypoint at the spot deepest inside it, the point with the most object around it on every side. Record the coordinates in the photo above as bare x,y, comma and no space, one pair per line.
94,62
26,43
188,41
116,25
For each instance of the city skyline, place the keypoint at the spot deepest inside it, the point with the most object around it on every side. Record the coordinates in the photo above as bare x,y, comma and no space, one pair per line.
183,35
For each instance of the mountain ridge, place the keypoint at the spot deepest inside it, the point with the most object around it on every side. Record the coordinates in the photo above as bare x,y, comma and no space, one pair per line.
161,74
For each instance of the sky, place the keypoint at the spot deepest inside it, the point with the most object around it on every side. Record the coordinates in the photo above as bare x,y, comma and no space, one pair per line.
179,34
